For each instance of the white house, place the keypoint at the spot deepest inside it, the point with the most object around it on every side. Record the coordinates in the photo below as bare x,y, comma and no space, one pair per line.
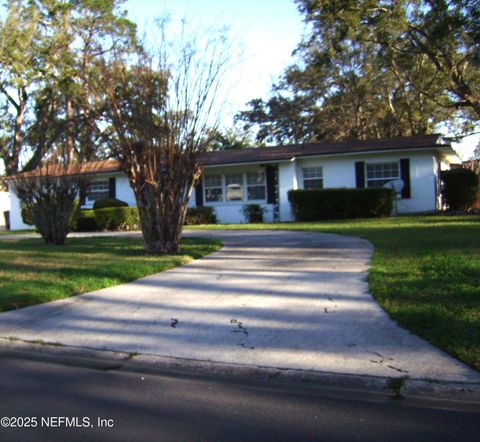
234,178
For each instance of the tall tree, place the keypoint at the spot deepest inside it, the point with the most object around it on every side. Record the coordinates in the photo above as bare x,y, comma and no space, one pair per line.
54,45
163,111
375,69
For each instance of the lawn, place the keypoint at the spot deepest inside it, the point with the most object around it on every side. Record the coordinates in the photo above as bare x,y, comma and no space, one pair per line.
31,272
425,273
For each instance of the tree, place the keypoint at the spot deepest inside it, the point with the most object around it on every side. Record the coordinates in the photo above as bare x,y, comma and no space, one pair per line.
49,195
55,44
372,69
230,139
162,113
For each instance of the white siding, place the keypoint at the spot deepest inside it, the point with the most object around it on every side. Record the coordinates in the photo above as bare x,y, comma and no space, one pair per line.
287,180
16,222
123,190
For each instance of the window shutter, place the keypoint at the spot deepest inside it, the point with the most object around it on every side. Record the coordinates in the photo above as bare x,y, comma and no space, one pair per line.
112,191
405,176
199,193
360,174
270,178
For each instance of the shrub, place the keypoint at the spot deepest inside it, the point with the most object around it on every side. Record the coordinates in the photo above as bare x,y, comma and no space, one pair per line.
200,215
85,221
26,216
102,203
253,213
117,218
312,205
460,188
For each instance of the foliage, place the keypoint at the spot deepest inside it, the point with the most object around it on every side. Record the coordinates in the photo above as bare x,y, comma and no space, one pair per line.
117,218
108,202
200,215
253,213
312,205
460,188
49,52
375,69
85,221
26,215
34,273
230,139
48,196
161,111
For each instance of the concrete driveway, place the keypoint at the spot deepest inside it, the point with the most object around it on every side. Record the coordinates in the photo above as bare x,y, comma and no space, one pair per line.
292,300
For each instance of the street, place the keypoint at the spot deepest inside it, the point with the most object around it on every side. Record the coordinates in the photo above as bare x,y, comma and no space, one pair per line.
64,398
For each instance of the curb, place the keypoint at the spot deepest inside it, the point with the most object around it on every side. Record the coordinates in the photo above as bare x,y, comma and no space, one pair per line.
393,387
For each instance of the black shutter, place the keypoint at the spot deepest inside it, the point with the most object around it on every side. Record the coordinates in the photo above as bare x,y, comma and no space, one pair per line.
199,194
270,178
82,196
112,191
405,176
360,174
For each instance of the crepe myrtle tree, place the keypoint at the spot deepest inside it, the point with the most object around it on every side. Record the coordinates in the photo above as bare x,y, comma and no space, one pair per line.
161,109
49,194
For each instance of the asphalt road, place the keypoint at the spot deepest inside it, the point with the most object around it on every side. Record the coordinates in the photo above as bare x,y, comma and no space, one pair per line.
155,406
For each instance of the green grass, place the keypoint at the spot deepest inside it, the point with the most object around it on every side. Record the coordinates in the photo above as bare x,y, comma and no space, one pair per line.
425,273
32,272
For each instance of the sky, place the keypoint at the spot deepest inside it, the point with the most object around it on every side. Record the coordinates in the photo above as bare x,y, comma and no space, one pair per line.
265,33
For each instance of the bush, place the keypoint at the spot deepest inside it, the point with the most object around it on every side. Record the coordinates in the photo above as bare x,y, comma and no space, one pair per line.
26,216
85,221
102,203
312,205
253,213
200,215
117,218
460,188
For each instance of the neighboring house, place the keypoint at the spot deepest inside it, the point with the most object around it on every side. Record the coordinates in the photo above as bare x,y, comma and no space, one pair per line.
4,207
233,178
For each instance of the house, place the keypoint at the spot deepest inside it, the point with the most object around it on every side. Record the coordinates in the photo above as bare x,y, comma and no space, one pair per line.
233,178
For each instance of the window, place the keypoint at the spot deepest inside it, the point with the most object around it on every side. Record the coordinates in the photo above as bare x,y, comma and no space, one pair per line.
378,174
213,188
234,186
97,190
312,177
256,185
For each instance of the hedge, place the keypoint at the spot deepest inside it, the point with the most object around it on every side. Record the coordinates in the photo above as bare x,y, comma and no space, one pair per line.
200,215
312,205
460,188
117,218
102,203
85,221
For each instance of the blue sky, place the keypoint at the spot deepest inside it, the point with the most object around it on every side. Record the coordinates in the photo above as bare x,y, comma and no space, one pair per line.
265,31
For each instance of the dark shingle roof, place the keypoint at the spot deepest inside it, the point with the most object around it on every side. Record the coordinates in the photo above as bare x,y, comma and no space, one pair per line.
285,153
280,153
